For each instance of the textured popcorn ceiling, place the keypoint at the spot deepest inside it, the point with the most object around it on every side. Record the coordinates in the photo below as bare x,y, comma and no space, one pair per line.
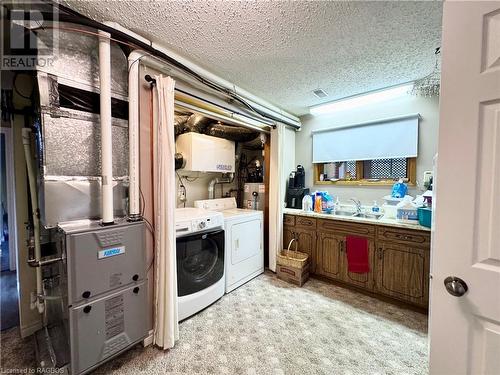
282,51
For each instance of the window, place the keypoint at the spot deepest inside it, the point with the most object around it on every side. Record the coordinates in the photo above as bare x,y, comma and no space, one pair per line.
366,172
370,153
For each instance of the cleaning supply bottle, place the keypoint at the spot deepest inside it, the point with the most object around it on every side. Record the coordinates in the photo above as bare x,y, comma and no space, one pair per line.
307,203
375,207
318,203
329,203
399,189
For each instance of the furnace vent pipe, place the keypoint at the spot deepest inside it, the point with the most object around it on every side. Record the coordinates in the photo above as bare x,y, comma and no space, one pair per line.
133,134
216,181
106,136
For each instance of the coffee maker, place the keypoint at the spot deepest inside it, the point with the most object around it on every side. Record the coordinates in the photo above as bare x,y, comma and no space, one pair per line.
296,188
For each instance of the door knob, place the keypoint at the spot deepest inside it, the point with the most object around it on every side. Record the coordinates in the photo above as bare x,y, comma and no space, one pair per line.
455,286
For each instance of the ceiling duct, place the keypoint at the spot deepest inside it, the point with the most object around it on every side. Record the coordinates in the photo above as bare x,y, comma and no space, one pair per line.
179,123
233,133
197,123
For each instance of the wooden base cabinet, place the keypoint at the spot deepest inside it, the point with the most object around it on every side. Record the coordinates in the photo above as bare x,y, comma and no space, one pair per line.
330,256
399,258
332,260
363,280
403,272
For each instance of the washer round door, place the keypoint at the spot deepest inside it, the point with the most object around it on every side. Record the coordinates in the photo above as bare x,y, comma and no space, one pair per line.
200,261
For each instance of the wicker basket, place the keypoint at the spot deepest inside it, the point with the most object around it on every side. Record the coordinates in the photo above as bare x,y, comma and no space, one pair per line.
293,266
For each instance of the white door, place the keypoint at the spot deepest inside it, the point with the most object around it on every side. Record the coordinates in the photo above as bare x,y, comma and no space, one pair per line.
246,240
465,330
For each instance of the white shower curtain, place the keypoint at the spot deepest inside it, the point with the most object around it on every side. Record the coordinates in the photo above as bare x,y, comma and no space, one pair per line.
166,326
276,197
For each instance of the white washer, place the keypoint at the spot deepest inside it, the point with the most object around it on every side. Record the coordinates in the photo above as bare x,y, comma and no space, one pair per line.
244,240
200,254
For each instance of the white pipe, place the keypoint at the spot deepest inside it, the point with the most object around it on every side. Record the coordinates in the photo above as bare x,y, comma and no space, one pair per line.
218,180
26,134
256,102
106,136
133,134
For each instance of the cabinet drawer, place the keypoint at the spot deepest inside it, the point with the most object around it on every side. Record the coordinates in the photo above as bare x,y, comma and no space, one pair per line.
288,220
404,236
345,227
305,222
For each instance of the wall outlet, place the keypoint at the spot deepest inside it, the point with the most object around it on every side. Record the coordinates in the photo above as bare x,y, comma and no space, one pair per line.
181,193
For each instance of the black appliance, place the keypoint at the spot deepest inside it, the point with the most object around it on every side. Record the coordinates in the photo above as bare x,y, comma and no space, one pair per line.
300,177
200,261
294,197
296,188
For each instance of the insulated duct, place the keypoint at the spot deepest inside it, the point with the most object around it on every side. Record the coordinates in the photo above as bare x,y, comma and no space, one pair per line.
106,136
233,133
179,124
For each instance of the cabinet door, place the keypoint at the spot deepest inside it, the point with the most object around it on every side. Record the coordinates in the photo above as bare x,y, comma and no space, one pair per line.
403,272
363,280
307,244
330,260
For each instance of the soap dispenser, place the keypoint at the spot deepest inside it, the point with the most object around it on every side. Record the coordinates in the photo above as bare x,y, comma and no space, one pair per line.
336,207
375,207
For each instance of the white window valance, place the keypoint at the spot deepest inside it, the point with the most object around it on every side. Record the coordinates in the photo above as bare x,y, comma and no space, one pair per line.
395,137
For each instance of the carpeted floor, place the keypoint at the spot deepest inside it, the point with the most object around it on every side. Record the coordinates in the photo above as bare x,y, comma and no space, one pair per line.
270,327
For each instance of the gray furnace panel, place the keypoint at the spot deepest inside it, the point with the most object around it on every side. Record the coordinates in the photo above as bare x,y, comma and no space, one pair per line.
101,259
106,326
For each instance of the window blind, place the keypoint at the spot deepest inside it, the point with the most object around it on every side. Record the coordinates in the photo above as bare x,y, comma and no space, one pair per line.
380,139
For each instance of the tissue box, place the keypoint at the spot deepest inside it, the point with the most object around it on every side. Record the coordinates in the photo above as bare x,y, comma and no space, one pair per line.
407,213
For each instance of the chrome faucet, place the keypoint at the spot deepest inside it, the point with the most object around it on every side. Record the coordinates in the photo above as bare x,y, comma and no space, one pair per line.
357,203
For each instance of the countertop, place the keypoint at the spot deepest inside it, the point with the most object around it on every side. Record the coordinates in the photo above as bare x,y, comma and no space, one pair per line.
381,221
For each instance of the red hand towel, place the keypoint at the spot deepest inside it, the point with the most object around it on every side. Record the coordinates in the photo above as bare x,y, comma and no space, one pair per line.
357,254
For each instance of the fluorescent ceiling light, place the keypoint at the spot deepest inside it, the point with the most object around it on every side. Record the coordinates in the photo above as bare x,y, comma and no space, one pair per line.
361,100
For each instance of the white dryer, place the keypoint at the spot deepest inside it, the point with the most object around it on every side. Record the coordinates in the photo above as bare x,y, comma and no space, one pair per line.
244,240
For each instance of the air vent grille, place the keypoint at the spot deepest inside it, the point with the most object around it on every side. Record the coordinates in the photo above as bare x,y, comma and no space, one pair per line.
320,93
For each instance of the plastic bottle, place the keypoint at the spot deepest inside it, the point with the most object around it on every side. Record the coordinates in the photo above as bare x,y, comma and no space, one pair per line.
399,189
375,207
318,203
336,207
307,203
328,203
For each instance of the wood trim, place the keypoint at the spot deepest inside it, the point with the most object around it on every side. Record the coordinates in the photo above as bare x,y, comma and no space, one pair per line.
359,170
411,170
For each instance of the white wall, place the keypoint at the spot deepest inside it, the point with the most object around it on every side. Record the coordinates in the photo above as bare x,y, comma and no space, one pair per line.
198,189
427,145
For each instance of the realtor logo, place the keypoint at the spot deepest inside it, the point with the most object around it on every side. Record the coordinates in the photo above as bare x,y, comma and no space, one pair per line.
30,34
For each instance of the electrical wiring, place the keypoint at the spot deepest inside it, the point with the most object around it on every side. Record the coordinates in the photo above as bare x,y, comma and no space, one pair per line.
75,17
181,185
150,228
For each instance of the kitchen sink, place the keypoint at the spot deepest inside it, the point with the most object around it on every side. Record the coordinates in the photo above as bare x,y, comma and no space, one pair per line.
360,215
345,213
